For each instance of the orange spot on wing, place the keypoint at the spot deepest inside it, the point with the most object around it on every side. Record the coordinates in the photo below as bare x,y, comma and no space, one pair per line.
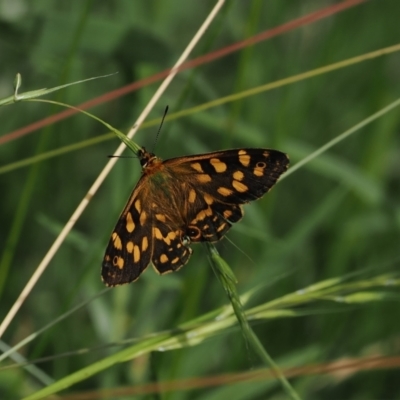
197,167
224,191
239,186
218,165
203,178
116,241
130,225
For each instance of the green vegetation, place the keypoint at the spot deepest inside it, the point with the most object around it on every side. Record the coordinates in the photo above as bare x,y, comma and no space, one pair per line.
316,259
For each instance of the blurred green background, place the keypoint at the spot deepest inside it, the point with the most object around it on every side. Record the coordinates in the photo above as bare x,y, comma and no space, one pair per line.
337,215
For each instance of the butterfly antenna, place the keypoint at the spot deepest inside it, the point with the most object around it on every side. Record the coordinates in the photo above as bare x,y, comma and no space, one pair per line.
113,156
161,124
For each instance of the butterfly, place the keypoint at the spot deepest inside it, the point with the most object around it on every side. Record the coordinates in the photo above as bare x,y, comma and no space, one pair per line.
185,200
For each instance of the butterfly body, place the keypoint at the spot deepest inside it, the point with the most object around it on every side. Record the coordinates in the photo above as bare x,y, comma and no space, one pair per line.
183,200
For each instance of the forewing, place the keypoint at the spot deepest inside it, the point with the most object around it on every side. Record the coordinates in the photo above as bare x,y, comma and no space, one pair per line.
130,247
216,184
233,176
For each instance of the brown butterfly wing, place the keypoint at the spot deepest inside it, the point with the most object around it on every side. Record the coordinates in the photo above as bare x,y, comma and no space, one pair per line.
215,185
145,232
130,247
193,198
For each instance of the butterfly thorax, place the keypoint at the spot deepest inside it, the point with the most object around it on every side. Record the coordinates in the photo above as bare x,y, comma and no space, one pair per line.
159,189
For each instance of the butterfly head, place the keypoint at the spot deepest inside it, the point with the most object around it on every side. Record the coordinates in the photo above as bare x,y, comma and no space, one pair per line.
145,157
